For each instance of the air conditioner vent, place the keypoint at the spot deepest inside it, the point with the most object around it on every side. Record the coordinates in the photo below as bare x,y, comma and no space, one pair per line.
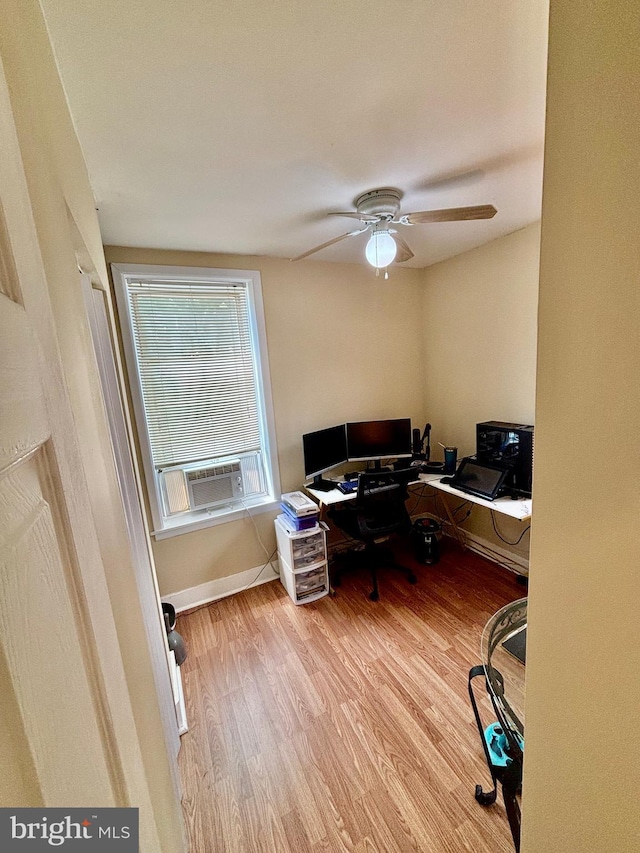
213,471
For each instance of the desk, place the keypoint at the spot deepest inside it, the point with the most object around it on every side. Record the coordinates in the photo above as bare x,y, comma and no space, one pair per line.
519,509
335,496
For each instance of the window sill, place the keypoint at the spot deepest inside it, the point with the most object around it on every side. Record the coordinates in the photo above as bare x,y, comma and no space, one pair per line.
199,520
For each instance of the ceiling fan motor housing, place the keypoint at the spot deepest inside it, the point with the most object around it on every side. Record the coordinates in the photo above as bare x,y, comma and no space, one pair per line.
384,203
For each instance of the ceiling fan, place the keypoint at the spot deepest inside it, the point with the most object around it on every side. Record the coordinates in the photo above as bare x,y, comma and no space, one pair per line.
378,210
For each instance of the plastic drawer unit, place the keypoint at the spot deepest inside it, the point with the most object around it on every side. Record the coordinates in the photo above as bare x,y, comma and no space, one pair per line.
302,556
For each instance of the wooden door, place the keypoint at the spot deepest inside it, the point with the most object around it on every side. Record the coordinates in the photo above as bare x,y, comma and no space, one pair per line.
67,736
142,558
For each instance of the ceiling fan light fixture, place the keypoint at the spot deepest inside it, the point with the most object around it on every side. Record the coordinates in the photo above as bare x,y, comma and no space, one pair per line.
381,249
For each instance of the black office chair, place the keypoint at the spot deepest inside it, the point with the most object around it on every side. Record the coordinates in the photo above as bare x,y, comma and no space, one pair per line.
378,512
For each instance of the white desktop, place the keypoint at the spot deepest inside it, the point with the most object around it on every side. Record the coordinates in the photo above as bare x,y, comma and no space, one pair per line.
519,508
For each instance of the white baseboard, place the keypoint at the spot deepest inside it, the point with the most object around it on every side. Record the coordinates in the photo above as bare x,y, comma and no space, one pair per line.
205,593
497,554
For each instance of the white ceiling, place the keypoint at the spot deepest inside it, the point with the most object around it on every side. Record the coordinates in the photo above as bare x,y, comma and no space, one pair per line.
236,127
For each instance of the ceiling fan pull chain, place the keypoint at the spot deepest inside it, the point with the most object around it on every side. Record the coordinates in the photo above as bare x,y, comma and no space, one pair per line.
386,274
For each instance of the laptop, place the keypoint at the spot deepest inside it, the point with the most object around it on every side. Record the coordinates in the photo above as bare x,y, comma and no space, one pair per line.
479,478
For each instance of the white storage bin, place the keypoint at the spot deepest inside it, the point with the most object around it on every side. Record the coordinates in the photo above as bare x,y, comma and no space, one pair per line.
305,586
302,556
300,548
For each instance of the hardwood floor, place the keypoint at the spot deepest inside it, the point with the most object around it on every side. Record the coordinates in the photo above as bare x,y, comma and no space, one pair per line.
344,724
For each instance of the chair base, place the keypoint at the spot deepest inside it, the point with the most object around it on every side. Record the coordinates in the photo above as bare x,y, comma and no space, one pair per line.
374,557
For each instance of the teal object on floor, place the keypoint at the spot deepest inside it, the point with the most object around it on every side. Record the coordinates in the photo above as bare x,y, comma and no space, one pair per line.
497,744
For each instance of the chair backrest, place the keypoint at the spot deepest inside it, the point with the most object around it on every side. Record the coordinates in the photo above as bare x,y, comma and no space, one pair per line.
380,503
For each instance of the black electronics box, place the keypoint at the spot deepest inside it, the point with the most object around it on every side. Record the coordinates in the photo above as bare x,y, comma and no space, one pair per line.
501,443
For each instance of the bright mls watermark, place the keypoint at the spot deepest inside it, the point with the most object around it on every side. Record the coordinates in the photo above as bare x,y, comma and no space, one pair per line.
35,830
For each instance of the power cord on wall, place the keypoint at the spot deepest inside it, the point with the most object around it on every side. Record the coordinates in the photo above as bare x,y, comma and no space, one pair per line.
421,494
268,563
270,557
464,504
255,527
501,537
251,582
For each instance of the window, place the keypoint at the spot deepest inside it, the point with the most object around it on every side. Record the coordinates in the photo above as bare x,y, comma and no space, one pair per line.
196,355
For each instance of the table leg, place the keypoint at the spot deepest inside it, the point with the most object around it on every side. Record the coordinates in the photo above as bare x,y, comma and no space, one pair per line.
511,782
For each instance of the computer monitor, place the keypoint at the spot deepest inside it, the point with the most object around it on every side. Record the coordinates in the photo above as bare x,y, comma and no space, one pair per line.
323,450
376,440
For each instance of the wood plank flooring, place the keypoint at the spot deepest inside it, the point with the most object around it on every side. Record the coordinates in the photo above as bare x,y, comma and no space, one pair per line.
344,724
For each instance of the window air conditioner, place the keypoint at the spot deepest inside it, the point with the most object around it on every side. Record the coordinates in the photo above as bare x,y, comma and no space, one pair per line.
223,481
214,484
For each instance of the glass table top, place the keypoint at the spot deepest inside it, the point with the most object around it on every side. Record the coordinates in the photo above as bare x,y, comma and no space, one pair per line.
503,670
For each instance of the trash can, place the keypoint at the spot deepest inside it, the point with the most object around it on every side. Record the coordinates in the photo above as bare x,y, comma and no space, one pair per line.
425,539
174,640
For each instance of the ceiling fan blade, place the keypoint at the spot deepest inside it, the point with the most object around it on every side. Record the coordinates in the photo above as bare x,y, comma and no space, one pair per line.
404,253
451,214
363,217
331,242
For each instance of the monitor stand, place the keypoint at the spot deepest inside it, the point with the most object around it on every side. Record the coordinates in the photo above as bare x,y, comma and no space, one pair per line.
321,485
377,467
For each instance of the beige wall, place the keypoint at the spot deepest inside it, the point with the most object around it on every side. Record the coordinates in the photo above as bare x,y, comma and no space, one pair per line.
479,328
343,345
67,227
582,760
581,774
403,356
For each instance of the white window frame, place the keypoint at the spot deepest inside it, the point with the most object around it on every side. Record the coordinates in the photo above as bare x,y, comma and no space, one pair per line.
163,526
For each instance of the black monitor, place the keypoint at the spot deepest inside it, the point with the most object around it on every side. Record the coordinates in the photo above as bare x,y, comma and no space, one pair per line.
323,450
376,440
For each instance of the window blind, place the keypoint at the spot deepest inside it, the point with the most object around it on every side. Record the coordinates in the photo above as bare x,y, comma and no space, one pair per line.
197,371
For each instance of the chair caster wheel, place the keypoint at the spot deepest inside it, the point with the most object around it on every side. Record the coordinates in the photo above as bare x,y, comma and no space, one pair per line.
374,596
413,578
